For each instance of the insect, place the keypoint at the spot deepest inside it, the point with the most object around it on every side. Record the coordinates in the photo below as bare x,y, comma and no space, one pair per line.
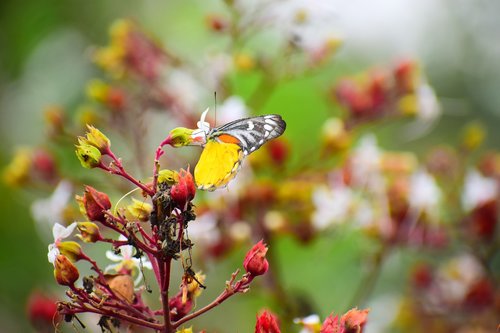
226,147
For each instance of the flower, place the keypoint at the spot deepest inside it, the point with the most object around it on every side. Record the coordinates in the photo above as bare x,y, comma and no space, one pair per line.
203,128
42,311
59,232
89,156
95,203
310,324
140,210
45,211
127,262
185,190
267,323
424,194
65,272
89,232
478,190
332,204
255,261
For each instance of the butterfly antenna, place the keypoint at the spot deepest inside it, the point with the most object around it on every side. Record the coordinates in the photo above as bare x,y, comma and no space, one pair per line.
215,107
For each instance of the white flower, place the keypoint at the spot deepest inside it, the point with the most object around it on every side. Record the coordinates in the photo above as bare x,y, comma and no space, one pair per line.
310,323
233,108
184,88
456,277
365,162
205,230
59,232
478,190
46,211
307,23
127,261
424,194
332,205
428,104
203,128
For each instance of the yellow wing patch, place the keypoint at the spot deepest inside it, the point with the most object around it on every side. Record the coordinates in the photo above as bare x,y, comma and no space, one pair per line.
218,164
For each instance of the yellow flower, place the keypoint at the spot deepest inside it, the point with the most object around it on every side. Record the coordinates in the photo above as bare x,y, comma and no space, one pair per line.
18,171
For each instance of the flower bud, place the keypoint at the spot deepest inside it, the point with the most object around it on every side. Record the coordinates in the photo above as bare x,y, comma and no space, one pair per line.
89,232
267,323
184,190
178,308
65,272
18,171
140,210
255,261
354,320
71,250
42,311
95,203
180,137
170,177
473,136
97,139
330,325
122,285
89,156
186,330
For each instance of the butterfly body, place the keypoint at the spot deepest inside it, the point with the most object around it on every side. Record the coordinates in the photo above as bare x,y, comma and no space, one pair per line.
227,145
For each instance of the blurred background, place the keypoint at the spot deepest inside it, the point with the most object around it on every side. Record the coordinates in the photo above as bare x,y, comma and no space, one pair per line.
47,60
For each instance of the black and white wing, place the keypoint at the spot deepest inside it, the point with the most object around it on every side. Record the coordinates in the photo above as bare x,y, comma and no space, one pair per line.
252,132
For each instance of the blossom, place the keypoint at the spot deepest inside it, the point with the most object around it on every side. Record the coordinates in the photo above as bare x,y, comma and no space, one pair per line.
332,205
184,190
126,261
365,162
65,272
310,324
267,323
255,261
95,203
59,232
45,211
234,107
478,190
424,194
306,23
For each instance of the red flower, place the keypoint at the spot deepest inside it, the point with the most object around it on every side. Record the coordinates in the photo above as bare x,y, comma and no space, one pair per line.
331,325
184,190
267,323
95,203
255,261
354,320
42,311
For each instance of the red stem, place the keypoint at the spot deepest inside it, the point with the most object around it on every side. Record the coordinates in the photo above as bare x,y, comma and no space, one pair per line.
240,286
164,268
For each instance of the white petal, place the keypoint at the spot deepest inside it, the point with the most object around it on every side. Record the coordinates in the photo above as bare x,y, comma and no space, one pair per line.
68,230
113,257
127,251
111,268
202,124
53,253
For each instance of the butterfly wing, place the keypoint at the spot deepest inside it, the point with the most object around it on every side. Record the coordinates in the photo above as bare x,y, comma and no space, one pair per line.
251,133
218,164
227,145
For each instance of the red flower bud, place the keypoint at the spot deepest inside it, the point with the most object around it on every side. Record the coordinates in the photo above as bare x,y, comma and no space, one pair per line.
64,271
267,323
42,311
179,309
331,325
95,203
184,190
44,164
279,150
354,320
255,261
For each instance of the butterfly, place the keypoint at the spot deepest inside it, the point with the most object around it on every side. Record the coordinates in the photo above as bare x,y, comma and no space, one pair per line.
226,147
